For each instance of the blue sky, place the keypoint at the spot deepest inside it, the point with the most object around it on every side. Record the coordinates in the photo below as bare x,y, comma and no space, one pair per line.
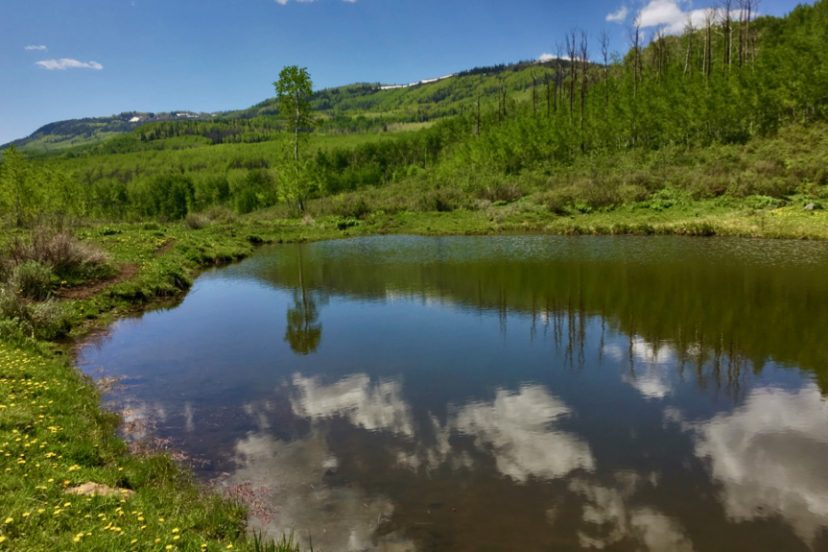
62,59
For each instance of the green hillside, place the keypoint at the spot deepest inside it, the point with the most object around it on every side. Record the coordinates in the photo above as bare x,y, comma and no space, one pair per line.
351,108
677,121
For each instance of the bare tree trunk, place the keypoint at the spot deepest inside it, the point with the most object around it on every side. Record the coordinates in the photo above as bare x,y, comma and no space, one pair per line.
297,120
707,59
605,57
534,96
572,52
727,31
636,41
689,35
584,83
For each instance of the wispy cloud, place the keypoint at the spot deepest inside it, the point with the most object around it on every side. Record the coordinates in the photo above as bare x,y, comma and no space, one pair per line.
618,16
68,63
35,48
285,2
546,56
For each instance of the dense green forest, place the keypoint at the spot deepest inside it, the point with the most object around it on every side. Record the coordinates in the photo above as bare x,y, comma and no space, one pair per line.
703,115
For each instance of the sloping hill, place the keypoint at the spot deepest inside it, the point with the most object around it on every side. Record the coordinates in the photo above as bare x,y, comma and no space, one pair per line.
91,130
351,108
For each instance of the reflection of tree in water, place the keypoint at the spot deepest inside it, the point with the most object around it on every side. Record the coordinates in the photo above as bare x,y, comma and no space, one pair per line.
304,331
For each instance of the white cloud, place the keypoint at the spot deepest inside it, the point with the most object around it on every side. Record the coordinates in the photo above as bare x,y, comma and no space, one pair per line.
546,56
619,15
769,456
35,48
68,63
669,16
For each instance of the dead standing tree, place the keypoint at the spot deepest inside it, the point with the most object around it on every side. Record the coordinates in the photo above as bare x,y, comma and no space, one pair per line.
584,46
572,53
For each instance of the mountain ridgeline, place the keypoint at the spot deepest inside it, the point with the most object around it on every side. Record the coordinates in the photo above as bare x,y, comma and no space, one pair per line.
733,109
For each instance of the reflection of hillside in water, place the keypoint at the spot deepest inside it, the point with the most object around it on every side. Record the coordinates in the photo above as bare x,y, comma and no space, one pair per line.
709,302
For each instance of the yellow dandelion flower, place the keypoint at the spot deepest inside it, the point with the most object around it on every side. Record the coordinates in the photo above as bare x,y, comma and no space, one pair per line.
8,520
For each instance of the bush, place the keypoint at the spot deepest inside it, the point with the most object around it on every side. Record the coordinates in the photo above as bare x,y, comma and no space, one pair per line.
32,279
196,222
501,192
48,320
440,200
67,257
12,307
352,207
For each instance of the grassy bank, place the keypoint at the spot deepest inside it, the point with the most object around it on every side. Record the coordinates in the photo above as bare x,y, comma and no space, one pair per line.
54,436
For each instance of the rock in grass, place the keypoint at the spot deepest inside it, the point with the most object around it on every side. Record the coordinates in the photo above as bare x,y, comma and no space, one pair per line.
98,489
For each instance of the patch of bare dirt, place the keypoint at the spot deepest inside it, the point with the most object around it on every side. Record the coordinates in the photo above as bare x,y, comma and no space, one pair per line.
166,246
86,291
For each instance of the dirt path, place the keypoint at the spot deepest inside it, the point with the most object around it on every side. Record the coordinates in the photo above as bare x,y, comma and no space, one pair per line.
166,246
86,291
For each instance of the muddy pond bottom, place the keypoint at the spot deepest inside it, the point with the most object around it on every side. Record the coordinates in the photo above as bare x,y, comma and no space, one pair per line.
499,393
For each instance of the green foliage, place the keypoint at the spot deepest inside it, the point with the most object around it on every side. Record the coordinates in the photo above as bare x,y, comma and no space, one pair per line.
66,256
566,136
293,93
32,280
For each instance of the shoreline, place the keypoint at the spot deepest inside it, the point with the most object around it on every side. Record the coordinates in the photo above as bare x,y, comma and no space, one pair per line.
169,258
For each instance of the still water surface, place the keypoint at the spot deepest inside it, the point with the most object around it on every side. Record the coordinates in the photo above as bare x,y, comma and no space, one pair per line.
509,393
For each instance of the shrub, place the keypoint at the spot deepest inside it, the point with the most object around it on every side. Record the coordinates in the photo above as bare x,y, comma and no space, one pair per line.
352,207
12,307
195,221
501,191
48,320
67,257
32,279
441,200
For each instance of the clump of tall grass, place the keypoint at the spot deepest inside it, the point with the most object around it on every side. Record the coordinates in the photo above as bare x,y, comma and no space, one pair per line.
31,279
29,271
195,221
67,257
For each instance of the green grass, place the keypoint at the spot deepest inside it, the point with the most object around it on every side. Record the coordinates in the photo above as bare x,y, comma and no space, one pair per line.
54,435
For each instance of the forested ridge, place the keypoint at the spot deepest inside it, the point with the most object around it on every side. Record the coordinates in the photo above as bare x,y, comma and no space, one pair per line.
733,108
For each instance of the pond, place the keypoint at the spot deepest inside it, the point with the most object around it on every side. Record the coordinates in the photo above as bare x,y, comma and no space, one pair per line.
499,393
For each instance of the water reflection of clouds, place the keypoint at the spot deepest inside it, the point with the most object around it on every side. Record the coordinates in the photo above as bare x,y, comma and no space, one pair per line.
290,476
651,373
373,406
608,519
769,455
516,427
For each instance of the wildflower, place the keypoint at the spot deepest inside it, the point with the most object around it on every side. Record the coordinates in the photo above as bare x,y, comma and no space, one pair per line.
8,520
